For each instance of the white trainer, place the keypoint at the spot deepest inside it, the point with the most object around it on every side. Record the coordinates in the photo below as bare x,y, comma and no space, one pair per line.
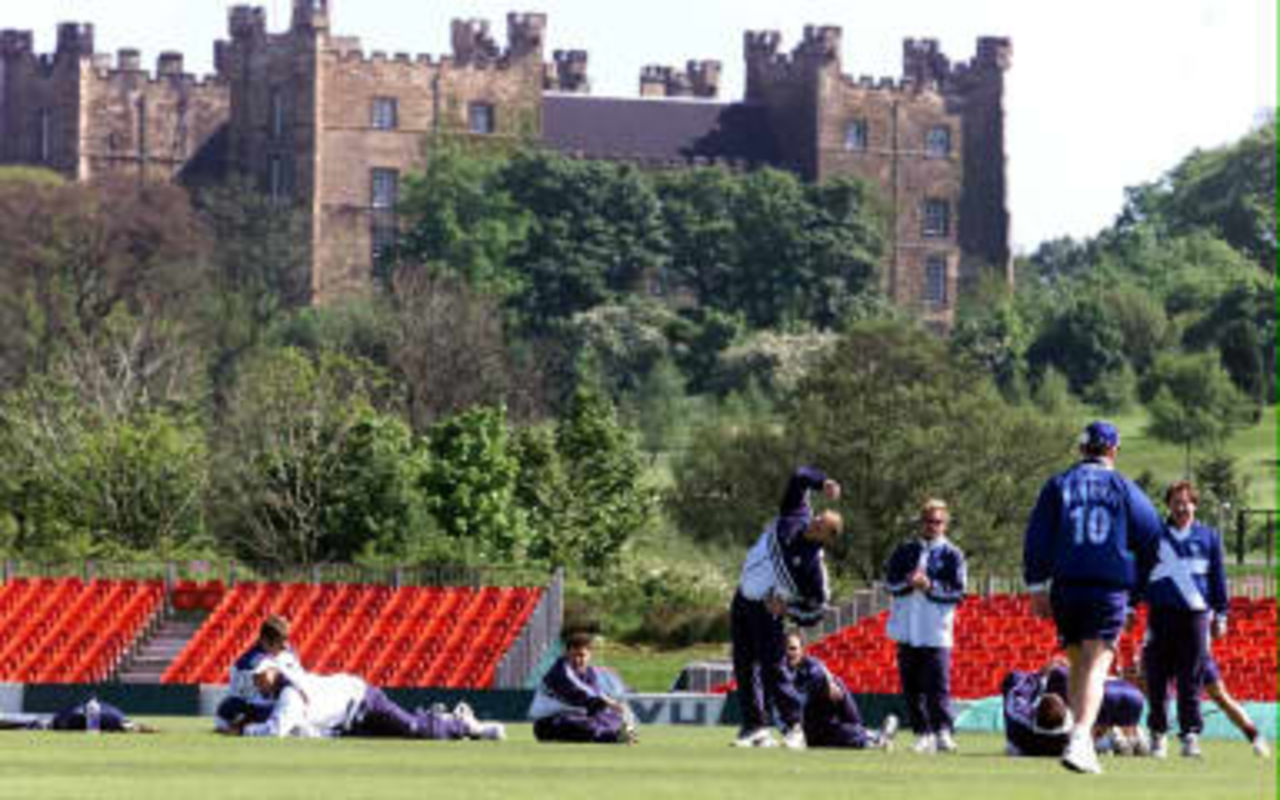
491,731
946,742
793,739
1080,755
888,730
1159,746
760,737
925,744
1191,746
1141,743
1260,748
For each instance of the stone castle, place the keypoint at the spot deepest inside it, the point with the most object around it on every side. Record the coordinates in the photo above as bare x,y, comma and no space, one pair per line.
317,122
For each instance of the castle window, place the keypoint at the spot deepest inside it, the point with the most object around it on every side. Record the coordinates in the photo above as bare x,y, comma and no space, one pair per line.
480,118
855,135
382,203
384,116
937,142
385,188
277,114
46,135
935,281
276,188
937,218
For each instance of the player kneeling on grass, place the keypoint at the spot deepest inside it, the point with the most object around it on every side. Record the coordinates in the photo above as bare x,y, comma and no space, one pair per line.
1038,722
575,702
831,717
310,705
243,700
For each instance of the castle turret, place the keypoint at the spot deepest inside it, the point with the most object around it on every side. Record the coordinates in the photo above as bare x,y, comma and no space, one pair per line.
821,44
525,34
310,15
472,42
247,23
994,52
128,59
15,43
75,39
923,62
568,73
704,77
653,80
169,64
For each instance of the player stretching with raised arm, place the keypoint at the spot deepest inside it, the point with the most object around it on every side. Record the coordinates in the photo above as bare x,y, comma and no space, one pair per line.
783,576
1090,527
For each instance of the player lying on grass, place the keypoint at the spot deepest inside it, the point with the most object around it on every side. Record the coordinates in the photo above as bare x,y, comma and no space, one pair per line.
75,718
783,577
1038,721
831,716
243,700
577,702
310,705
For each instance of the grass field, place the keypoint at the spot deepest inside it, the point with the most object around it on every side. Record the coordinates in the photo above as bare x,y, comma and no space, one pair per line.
186,762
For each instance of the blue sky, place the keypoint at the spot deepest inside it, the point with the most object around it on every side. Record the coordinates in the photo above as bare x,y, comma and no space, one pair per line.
1103,94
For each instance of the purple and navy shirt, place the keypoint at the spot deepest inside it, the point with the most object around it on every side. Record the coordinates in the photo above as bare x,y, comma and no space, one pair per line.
783,562
1091,526
1188,573
565,689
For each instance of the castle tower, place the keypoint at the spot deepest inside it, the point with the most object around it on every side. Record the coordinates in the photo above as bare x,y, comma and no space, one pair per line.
310,15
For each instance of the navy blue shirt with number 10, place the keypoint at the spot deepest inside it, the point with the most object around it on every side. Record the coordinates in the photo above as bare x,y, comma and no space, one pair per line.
1091,526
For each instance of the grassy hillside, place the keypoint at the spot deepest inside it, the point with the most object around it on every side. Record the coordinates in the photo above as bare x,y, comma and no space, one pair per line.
1254,448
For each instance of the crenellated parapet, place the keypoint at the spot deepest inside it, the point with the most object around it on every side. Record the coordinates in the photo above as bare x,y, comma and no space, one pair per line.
699,79
473,44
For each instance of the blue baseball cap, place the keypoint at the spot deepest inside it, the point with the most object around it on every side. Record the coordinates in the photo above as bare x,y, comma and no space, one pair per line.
1100,433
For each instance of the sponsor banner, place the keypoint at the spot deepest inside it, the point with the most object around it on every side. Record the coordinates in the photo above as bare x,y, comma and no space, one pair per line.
677,708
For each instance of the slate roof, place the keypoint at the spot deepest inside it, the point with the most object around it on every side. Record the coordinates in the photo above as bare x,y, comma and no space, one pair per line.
657,129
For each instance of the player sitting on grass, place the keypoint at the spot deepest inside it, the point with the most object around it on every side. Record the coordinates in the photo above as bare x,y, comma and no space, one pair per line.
1037,721
575,702
783,576
831,717
243,702
309,705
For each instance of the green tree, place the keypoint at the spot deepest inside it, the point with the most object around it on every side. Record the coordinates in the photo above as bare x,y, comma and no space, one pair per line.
79,482
471,483
602,466
460,220
1194,404
308,470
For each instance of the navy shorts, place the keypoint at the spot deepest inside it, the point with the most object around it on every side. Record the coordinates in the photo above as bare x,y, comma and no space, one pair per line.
1084,612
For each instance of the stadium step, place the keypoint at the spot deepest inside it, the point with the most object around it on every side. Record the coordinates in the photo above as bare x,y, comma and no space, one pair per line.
154,655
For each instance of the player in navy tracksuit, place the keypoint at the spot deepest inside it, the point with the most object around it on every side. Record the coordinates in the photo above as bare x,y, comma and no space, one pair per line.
1091,531
1037,721
1186,593
577,702
926,578
783,576
831,716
